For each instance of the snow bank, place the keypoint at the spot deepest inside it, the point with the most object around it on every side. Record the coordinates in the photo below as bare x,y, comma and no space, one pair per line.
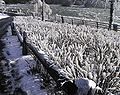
31,84
3,16
21,67
13,49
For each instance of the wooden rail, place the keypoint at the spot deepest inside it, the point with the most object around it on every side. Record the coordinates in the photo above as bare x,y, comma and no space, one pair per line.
15,14
87,22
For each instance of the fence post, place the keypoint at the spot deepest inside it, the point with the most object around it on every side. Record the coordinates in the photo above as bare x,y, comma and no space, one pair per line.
55,18
97,25
111,13
43,10
72,21
115,27
21,31
24,45
13,28
82,22
62,19
33,14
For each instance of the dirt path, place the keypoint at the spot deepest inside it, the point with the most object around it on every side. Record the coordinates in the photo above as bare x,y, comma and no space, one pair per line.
16,70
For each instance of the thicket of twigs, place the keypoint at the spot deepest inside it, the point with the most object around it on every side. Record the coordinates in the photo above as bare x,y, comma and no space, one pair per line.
80,50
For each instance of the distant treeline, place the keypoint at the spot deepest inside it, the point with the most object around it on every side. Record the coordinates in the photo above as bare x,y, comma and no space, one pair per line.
84,3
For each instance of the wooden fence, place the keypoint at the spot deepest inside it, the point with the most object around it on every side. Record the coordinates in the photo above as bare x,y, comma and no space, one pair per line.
87,22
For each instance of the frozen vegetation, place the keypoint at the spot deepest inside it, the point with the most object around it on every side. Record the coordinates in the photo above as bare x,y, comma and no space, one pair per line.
81,51
88,57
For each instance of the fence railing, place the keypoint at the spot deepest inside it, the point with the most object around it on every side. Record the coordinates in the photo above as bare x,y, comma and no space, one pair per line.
87,22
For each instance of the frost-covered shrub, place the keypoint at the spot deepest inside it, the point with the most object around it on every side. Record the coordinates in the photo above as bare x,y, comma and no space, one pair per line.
39,5
79,50
2,2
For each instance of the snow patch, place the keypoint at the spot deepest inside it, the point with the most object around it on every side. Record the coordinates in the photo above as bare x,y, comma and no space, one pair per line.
29,83
84,86
3,16
13,49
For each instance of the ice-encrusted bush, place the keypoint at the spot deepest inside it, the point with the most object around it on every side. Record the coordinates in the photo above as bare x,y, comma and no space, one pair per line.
80,51
40,6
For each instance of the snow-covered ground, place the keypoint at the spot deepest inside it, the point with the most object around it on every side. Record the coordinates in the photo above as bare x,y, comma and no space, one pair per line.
20,66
